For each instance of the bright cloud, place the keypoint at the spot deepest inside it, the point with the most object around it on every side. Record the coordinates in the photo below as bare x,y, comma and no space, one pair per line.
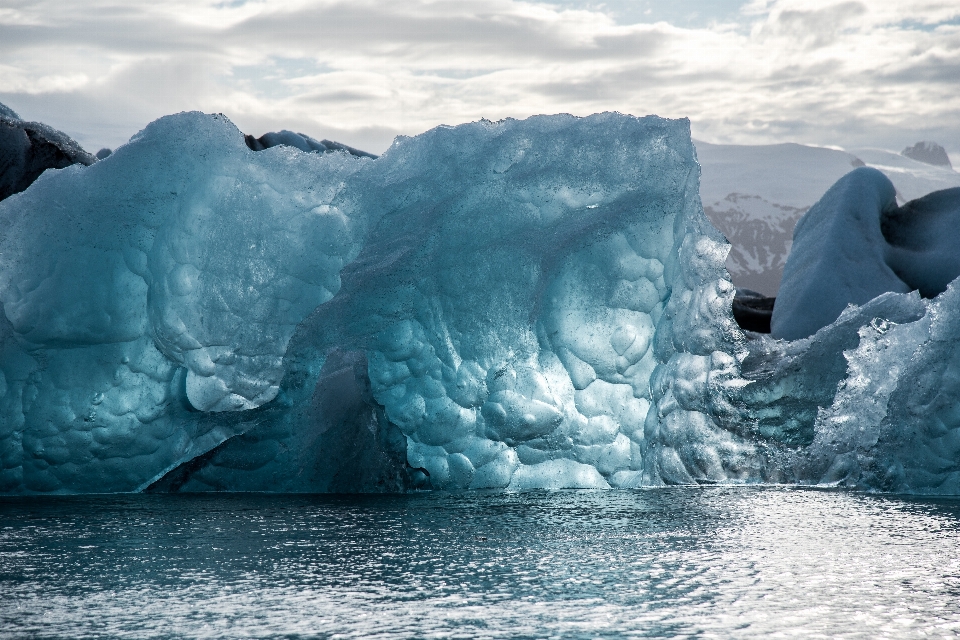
846,73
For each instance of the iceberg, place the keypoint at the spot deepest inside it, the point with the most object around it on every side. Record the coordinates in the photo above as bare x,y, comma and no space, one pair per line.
490,302
855,244
498,305
838,256
923,236
163,280
893,424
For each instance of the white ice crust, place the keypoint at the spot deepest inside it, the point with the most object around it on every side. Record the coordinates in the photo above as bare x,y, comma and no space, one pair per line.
512,305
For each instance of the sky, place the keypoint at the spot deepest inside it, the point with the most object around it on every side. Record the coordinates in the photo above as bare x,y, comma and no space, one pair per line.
848,74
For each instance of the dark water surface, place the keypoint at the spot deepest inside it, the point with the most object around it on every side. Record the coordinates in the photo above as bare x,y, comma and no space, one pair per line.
715,562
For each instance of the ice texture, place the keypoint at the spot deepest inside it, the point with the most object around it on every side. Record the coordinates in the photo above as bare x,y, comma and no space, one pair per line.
165,279
894,424
875,396
838,256
498,305
512,308
924,236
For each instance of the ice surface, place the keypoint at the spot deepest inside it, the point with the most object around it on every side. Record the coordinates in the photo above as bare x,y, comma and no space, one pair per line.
511,305
886,418
924,236
893,425
511,287
164,279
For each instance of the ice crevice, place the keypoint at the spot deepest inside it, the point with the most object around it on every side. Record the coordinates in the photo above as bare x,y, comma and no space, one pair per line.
512,305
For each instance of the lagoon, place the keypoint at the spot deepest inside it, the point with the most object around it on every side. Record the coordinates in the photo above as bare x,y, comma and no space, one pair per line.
743,562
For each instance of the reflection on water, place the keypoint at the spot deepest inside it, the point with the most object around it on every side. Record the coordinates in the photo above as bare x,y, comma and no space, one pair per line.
681,562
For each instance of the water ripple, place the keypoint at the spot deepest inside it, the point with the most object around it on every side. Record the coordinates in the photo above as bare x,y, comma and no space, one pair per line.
679,563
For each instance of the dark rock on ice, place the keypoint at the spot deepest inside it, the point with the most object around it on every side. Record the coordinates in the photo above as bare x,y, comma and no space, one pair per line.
103,153
301,141
27,149
753,310
928,152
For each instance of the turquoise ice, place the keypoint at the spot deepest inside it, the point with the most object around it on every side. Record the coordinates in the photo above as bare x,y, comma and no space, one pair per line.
497,305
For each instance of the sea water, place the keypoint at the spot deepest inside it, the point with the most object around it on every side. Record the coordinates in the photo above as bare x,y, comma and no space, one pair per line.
678,562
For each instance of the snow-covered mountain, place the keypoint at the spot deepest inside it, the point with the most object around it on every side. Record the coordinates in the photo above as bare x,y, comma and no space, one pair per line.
756,194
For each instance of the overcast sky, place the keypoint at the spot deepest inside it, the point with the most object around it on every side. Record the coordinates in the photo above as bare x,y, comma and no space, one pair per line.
883,73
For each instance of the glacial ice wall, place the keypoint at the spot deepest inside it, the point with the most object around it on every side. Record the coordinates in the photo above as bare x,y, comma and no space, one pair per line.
520,304
890,423
871,401
507,306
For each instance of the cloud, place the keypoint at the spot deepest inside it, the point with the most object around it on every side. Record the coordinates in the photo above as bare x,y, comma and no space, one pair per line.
819,27
815,71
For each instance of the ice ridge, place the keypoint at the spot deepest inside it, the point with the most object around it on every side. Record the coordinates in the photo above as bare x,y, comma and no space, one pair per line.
27,149
300,141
